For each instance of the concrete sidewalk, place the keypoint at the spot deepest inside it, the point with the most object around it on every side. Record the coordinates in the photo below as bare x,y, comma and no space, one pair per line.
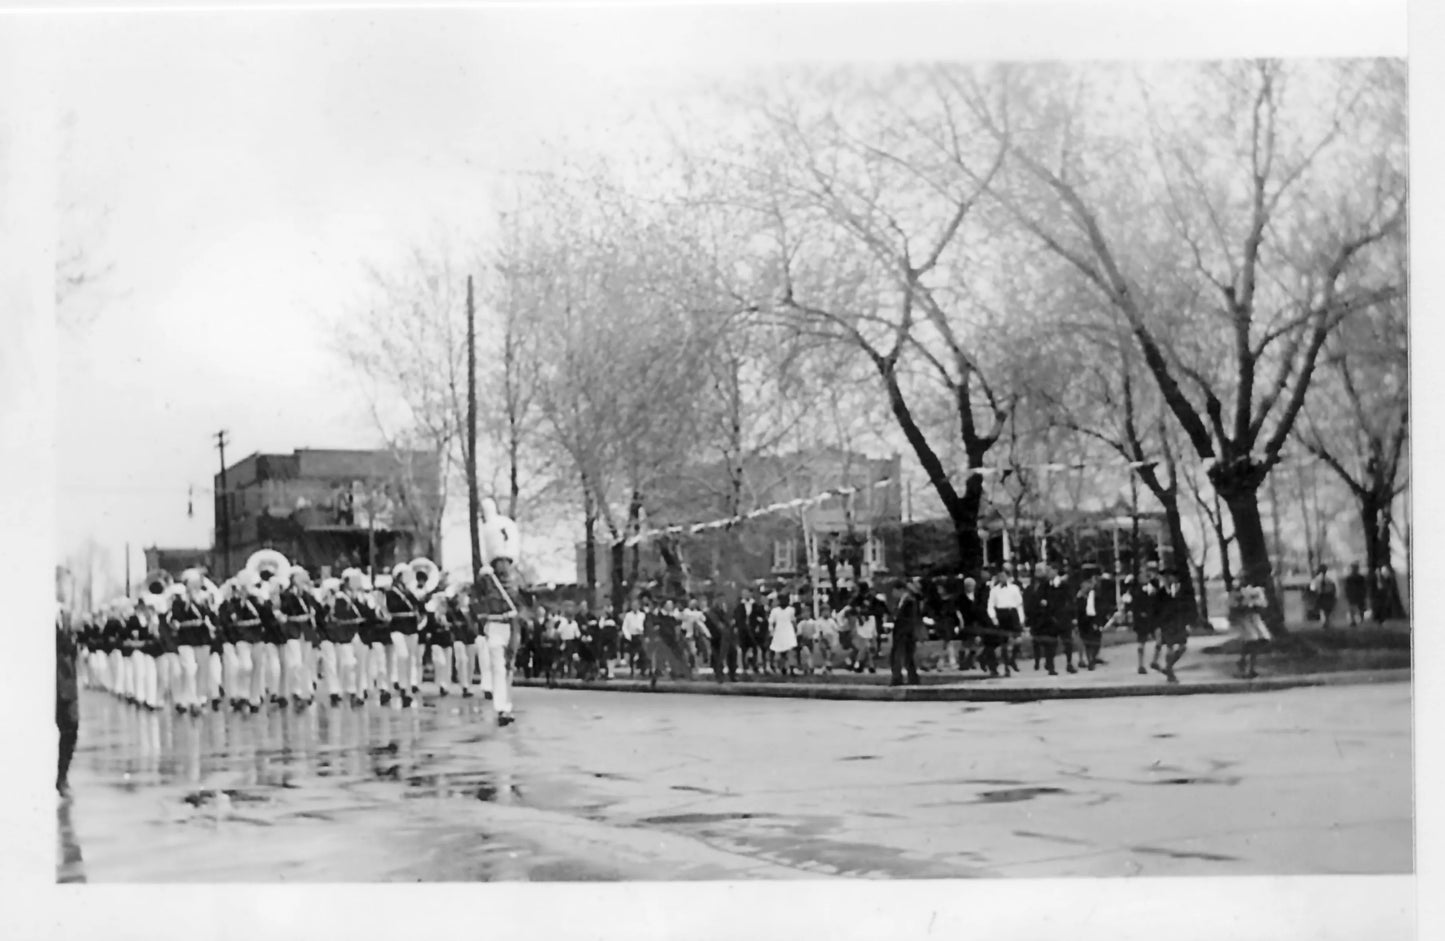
1022,687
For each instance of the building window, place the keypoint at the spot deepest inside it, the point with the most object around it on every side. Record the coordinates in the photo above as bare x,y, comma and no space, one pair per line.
875,554
785,555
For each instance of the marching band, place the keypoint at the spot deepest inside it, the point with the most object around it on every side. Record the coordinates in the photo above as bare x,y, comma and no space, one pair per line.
268,635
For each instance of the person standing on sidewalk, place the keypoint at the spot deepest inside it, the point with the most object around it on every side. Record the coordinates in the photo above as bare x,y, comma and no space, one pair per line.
1006,613
751,623
783,633
724,640
1322,587
1356,590
1174,618
907,625
1144,605
1088,614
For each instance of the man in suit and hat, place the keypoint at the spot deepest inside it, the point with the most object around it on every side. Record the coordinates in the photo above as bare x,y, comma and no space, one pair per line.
1173,621
907,625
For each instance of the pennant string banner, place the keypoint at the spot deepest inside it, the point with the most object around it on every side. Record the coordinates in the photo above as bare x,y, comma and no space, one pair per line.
1002,472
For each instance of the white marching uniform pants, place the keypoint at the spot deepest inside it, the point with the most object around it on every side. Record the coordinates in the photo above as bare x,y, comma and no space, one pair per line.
379,666
499,635
118,679
441,664
462,656
194,664
271,668
145,679
405,660
338,667
171,677
295,660
214,667
250,673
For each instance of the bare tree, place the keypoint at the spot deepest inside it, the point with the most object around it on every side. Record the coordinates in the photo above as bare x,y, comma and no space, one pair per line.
1277,206
1357,420
865,204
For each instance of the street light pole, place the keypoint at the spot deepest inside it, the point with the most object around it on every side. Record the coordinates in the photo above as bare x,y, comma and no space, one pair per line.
222,512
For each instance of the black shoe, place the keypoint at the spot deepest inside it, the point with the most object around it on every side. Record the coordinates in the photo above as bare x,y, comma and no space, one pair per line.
1053,672
385,696
442,691
215,705
1073,669
467,694
255,708
505,718
1169,675
180,710
1157,667
1143,672
335,699
487,695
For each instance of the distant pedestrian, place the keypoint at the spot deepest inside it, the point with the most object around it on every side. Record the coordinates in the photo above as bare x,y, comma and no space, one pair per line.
1356,591
1144,606
1322,588
865,636
1254,633
907,625
1088,617
751,622
1006,615
724,634
782,633
1173,619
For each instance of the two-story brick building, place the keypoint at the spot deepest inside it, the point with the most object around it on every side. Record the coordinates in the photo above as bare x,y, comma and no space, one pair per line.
328,509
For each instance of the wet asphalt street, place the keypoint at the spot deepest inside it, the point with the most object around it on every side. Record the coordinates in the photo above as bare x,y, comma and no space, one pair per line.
607,786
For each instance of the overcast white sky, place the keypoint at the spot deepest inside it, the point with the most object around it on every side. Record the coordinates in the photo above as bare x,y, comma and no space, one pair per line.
251,163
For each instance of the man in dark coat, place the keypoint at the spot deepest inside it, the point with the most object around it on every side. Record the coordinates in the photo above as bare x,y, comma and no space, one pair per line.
1356,590
973,622
907,625
724,640
750,620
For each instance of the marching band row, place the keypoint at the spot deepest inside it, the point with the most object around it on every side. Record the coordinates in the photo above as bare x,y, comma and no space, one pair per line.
269,635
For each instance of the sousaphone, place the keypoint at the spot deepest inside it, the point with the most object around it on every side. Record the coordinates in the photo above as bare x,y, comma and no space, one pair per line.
157,587
422,576
270,568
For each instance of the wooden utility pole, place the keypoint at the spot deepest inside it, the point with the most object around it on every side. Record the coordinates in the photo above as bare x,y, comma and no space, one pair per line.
223,516
473,502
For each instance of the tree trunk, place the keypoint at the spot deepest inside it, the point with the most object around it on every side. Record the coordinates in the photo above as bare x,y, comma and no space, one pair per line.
1254,556
1179,548
619,585
965,524
1226,567
589,510
634,526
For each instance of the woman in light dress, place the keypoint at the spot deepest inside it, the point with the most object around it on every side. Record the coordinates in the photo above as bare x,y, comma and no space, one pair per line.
784,634
1255,633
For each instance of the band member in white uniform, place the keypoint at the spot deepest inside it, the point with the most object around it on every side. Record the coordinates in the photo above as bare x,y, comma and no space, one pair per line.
297,617
497,603
338,645
404,617
243,619
192,623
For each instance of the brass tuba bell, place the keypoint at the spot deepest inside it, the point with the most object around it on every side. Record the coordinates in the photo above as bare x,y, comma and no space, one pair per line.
157,583
421,576
270,569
